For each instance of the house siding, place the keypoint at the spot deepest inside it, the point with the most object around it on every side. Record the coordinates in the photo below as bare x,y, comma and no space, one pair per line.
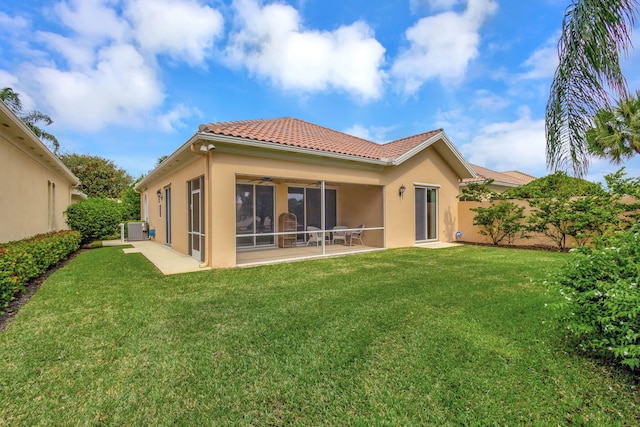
25,198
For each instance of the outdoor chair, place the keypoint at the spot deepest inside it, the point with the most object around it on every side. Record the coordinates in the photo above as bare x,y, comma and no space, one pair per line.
356,235
315,236
338,234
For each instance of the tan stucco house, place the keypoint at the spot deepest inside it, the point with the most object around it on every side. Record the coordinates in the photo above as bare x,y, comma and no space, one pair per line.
37,187
282,188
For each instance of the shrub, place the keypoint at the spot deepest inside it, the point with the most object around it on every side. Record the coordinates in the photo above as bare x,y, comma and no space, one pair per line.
23,260
95,218
602,298
500,221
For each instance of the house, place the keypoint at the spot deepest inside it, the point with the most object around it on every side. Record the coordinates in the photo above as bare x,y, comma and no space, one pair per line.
502,181
275,189
37,186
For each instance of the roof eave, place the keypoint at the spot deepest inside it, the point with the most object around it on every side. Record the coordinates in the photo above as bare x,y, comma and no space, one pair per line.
27,137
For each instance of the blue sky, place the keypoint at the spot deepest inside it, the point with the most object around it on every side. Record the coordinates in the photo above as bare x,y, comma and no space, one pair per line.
131,80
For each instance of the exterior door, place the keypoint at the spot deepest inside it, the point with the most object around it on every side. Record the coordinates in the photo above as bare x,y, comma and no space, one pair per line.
196,218
426,214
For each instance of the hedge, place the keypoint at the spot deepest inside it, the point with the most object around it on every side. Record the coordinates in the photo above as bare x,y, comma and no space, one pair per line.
23,260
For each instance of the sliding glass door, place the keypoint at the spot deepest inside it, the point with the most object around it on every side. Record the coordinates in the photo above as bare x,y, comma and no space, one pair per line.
255,214
306,204
426,214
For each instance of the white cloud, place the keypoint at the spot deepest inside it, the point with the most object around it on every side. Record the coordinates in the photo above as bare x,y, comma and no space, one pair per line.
93,20
433,4
271,42
101,68
120,89
12,24
182,29
509,145
372,133
441,46
490,101
8,80
174,119
543,62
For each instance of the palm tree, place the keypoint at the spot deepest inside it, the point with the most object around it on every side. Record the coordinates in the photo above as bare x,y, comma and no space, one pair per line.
29,118
616,131
594,32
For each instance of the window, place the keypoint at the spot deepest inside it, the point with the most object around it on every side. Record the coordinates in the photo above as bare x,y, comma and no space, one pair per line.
255,211
51,205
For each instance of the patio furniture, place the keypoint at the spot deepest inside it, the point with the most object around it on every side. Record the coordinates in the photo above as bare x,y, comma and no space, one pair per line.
338,235
287,222
356,235
315,236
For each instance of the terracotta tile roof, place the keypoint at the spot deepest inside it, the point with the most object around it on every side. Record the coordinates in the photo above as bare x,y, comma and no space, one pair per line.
511,177
526,178
399,147
298,133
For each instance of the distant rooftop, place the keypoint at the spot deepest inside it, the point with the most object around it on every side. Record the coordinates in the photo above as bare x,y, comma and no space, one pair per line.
513,178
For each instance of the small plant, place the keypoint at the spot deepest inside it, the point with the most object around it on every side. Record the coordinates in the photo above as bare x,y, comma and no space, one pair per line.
601,297
500,221
95,218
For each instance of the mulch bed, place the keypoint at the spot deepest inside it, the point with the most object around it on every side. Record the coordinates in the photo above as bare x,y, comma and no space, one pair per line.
30,289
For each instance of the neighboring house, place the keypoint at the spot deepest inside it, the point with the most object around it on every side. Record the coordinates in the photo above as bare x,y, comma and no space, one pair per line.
37,187
502,181
223,192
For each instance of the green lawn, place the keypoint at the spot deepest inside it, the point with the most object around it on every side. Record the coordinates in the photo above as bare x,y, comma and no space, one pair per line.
456,336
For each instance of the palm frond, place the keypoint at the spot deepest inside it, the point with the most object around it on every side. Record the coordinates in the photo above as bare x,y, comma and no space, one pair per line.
594,34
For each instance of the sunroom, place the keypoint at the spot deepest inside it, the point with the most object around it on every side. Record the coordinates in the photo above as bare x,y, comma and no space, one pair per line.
281,218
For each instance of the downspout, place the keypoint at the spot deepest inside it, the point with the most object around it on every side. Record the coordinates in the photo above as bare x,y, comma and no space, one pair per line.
208,221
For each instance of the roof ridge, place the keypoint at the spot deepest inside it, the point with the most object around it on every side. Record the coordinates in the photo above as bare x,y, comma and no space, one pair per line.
415,136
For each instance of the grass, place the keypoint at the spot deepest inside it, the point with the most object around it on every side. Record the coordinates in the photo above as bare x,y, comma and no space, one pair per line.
457,336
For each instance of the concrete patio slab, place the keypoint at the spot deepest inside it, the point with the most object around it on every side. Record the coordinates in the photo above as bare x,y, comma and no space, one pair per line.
437,245
163,257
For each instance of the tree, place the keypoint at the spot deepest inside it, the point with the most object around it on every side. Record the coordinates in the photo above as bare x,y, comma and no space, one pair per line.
131,203
99,177
479,192
615,133
555,184
500,221
594,32
29,118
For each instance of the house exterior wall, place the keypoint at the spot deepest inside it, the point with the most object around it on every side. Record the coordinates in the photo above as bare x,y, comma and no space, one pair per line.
34,194
177,181
471,233
365,195
427,167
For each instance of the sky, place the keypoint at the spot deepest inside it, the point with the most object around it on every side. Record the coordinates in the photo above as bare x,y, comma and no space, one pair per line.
131,80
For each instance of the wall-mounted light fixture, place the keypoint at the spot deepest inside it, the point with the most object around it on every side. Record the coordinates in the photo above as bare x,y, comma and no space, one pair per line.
159,194
401,191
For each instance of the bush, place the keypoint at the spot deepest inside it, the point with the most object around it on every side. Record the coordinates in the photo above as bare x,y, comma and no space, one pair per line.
23,260
602,297
95,218
502,220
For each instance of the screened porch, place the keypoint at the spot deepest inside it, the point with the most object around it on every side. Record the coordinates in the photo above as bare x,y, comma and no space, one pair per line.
280,219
